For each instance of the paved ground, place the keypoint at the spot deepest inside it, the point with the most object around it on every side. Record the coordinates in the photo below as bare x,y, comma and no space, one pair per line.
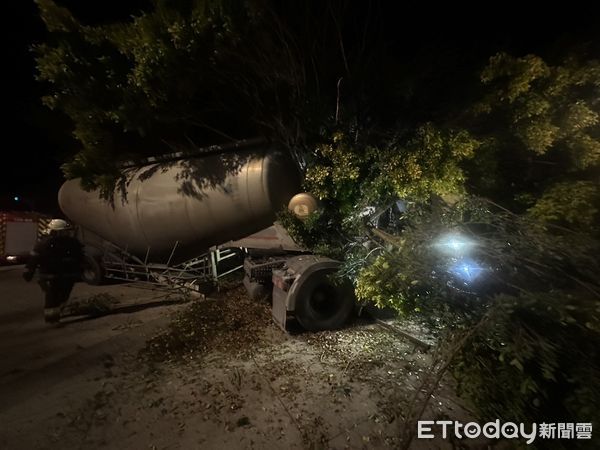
208,374
27,344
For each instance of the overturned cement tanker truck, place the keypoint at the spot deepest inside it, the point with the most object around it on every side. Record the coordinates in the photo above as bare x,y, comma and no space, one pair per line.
182,220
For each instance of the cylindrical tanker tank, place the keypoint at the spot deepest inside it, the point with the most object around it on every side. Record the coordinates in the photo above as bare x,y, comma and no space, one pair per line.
197,202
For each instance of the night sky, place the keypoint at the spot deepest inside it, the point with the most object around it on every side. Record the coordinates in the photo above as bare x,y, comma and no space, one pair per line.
37,140
30,167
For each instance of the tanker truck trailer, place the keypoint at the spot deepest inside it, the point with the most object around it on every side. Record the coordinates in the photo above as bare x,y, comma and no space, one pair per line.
177,219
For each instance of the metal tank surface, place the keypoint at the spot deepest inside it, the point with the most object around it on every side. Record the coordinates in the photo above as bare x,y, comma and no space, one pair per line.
195,202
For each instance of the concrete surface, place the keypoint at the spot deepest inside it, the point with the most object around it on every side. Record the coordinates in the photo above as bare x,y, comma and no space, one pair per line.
84,385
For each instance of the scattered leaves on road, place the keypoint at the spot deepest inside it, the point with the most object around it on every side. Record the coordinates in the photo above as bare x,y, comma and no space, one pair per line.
231,324
96,305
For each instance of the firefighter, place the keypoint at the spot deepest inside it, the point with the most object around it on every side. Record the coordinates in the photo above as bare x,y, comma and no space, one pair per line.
58,258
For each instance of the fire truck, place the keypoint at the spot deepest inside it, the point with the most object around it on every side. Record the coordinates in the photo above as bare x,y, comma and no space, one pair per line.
19,231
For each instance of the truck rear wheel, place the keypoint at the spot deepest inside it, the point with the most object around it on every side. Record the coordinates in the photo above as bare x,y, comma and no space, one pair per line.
93,272
323,303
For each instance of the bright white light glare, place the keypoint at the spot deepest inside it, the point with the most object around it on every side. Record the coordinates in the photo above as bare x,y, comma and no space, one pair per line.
454,244
466,269
11,258
16,198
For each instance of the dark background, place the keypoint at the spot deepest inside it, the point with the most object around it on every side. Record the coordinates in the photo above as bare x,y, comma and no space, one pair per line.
37,140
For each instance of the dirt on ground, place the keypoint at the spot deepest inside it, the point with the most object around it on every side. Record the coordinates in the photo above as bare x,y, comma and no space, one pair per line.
221,374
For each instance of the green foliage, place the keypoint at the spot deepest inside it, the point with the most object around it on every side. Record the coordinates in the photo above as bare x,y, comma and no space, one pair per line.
183,74
407,273
572,204
415,167
130,88
541,125
429,163
531,144
309,234
517,254
544,122
348,176
335,169
180,74
537,360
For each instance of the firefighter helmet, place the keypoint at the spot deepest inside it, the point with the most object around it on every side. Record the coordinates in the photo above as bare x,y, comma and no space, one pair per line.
57,225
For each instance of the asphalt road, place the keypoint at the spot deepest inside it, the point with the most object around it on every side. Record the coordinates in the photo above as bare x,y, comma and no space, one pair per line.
83,384
33,353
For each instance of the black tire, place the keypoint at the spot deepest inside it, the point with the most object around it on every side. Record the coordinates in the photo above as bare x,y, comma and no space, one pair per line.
93,272
322,304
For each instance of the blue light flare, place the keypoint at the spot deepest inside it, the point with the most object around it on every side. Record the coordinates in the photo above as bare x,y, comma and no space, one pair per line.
466,269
